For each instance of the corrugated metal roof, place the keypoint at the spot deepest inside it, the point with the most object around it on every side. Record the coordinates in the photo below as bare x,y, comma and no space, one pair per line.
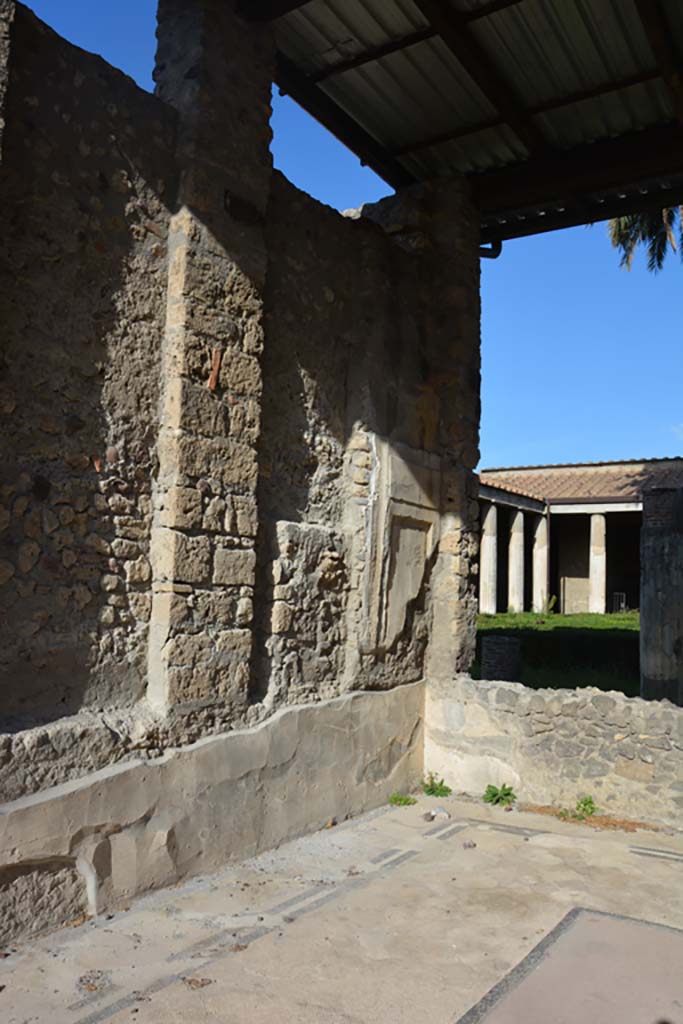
581,71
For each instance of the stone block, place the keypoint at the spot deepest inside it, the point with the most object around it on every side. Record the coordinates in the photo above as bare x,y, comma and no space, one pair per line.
182,508
38,897
234,567
138,571
178,557
240,373
228,461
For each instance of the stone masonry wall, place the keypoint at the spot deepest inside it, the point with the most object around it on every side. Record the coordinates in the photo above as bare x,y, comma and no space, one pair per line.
85,184
360,379
239,428
554,746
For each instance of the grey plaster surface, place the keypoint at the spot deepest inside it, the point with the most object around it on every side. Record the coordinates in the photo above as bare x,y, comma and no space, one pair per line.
385,918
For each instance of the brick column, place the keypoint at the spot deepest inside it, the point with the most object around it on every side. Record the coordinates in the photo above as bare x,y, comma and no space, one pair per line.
661,595
516,563
597,570
488,561
541,551
216,71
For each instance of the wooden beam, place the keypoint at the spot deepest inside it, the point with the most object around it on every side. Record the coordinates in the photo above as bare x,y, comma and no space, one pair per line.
452,27
268,10
539,108
599,166
537,222
293,83
660,38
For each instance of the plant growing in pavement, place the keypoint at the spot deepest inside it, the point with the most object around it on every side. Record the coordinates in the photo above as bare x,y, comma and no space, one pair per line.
433,786
503,796
401,800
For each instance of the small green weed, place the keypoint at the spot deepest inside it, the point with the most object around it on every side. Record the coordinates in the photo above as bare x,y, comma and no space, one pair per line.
503,797
432,786
401,800
586,807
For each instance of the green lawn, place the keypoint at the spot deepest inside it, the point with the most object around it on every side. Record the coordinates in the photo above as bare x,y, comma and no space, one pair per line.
513,621
566,651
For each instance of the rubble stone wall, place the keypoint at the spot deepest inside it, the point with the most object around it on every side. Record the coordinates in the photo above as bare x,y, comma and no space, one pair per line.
554,746
239,428
86,180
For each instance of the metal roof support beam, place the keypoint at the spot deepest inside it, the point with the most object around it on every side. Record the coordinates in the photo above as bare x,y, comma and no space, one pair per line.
452,27
412,39
539,108
659,37
377,53
268,10
600,166
293,83
537,223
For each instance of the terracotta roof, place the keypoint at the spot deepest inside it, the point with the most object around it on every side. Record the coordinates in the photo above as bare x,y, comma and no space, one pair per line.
592,481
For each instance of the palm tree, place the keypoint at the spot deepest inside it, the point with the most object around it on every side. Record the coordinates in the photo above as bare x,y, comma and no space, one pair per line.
653,229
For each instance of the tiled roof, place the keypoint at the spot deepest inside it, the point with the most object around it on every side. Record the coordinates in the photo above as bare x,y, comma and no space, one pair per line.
624,481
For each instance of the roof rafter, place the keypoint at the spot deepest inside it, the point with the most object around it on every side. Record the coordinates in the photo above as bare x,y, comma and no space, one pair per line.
452,27
268,10
395,46
659,37
539,108
293,83
420,35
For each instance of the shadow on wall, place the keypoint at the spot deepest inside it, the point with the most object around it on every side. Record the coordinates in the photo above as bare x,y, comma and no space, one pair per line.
353,337
350,352
83,184
569,658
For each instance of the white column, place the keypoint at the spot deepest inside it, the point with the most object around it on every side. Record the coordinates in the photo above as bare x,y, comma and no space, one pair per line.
488,561
598,564
540,565
516,563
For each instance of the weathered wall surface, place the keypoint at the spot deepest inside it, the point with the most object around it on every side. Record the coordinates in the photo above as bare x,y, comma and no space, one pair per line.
85,183
239,433
6,18
553,746
369,433
93,844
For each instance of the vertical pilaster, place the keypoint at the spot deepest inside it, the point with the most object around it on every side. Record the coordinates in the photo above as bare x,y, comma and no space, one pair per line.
7,10
661,596
450,405
597,570
516,562
216,71
540,556
488,561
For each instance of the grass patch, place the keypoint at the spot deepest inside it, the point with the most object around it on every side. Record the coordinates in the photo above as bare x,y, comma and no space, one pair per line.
513,621
433,786
401,800
570,651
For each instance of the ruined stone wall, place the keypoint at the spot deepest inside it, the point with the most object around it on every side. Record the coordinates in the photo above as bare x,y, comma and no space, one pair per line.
554,746
239,429
85,185
369,420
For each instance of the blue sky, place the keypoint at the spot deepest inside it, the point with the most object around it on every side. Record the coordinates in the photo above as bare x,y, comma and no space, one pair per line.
580,359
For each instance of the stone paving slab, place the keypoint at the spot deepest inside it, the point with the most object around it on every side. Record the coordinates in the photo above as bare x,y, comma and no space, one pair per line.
387,918
592,967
